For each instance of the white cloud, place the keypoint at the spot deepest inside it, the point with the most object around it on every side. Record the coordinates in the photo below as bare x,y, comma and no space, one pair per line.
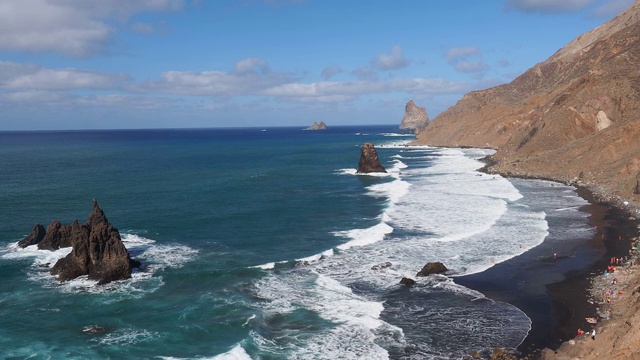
547,6
393,61
364,73
72,27
250,77
330,71
461,52
471,66
33,77
252,65
461,60
143,28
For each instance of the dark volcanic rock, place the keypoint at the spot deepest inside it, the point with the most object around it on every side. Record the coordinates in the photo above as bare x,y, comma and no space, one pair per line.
369,161
381,266
58,236
36,235
407,281
98,251
432,268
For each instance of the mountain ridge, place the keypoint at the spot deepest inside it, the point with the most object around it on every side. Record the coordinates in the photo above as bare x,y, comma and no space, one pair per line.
574,117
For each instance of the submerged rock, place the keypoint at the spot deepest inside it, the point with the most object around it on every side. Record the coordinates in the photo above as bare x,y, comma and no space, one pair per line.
369,161
432,268
407,281
97,251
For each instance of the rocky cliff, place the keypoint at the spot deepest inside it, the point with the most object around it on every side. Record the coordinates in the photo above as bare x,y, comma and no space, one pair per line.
574,117
415,118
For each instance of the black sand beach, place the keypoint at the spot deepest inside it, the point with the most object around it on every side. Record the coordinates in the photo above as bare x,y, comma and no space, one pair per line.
555,293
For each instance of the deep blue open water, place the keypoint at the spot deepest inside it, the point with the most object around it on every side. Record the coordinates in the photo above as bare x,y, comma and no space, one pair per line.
260,243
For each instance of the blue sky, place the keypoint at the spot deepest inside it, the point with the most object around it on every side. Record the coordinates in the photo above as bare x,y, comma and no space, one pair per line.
104,64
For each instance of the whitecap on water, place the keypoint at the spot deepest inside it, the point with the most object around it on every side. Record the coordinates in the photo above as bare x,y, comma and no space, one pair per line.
153,256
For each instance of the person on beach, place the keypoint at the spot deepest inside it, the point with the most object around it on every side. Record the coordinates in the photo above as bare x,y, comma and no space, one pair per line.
555,256
593,334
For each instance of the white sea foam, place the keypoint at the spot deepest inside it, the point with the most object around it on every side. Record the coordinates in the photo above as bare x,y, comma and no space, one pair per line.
398,135
363,237
316,257
125,337
354,317
154,258
443,210
267,266
236,353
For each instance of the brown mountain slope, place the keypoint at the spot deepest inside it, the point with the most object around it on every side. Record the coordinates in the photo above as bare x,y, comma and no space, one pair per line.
575,115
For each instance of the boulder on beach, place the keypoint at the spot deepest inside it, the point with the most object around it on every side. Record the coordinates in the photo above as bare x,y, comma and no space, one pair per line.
432,268
369,161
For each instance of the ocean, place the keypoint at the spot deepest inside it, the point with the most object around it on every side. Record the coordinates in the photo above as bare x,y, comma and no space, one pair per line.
263,244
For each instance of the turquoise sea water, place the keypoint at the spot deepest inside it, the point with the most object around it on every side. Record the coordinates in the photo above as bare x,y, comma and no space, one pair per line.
260,243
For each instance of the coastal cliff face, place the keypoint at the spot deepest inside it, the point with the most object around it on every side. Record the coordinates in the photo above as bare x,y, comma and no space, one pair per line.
415,118
574,117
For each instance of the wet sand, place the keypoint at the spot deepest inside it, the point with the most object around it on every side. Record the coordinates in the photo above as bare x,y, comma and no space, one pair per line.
554,293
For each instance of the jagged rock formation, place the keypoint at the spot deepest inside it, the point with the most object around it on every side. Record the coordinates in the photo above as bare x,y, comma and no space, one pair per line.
97,251
316,126
578,111
369,161
432,268
415,118
58,236
36,235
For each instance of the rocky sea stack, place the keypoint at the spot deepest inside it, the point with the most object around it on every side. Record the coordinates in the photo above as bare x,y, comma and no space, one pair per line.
316,126
97,251
369,161
415,118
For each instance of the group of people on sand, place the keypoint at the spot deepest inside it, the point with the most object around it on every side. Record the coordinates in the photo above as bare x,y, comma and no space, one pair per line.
614,268
582,332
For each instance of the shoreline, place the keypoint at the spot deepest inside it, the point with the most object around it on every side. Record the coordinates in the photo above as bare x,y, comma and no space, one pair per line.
557,295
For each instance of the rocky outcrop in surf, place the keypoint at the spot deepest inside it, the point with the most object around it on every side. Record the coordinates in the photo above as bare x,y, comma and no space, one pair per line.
432,268
36,236
415,118
316,126
369,161
407,281
97,249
